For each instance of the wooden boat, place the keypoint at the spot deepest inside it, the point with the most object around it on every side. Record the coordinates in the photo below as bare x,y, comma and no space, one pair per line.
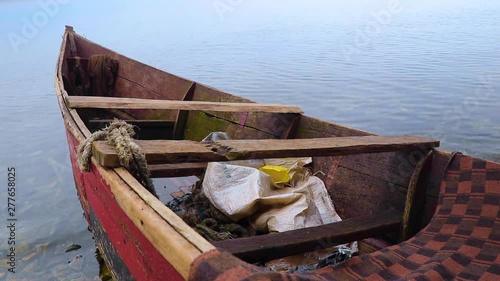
385,188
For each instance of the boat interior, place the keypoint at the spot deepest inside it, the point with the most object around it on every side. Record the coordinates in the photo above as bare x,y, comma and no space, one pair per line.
383,187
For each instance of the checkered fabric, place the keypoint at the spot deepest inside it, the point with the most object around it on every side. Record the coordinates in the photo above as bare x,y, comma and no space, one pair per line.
462,241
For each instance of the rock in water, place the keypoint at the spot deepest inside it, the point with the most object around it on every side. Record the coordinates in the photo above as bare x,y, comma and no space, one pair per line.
73,247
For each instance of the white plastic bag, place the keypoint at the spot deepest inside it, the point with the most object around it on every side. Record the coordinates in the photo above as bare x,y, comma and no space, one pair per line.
245,192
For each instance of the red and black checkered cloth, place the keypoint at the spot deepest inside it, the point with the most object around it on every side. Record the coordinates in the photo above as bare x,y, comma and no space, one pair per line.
462,241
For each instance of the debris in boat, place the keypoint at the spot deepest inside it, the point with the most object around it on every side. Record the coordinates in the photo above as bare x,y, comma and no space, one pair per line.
242,198
343,253
197,211
215,136
73,247
279,174
246,193
178,202
120,135
310,261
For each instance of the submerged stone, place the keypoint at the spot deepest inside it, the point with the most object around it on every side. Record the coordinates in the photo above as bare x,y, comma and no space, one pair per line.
73,247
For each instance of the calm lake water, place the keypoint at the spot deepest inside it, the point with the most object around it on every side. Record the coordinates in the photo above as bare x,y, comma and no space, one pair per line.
389,67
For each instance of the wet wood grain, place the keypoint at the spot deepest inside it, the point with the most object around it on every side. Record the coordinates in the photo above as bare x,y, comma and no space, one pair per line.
168,151
277,245
135,103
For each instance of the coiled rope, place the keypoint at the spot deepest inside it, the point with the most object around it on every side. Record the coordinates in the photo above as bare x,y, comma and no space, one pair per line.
120,135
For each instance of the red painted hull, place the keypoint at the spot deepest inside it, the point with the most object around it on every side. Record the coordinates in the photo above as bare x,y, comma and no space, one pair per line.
124,244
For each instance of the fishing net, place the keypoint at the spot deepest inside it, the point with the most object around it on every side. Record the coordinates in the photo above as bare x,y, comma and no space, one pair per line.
102,71
197,211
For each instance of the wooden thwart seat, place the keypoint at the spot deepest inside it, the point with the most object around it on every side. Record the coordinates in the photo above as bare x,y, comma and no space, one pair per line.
278,245
169,151
133,103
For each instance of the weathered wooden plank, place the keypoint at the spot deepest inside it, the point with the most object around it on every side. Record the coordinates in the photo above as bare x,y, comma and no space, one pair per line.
260,149
277,245
159,151
176,170
132,103
167,151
